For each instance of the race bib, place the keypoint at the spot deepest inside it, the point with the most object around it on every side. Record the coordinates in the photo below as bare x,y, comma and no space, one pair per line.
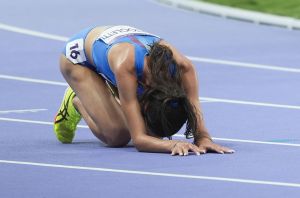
112,33
75,51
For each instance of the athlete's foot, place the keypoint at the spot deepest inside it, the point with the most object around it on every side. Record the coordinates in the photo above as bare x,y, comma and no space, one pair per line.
67,118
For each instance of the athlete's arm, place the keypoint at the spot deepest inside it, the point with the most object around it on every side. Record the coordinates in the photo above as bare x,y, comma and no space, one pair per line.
202,138
190,82
127,86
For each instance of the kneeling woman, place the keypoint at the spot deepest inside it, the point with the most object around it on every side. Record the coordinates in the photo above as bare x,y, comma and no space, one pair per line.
130,84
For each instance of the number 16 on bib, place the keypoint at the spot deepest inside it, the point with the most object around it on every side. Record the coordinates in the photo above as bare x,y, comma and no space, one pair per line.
75,51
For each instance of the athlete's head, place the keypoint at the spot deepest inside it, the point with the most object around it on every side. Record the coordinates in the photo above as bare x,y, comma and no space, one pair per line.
164,103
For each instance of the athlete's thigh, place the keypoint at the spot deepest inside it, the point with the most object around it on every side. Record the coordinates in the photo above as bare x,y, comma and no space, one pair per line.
94,95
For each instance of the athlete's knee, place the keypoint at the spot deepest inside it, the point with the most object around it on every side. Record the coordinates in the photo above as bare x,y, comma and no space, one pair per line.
64,65
118,143
117,137
112,137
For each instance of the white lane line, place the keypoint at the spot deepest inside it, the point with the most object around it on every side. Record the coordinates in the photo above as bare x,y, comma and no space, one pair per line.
250,103
196,59
177,135
207,99
241,64
257,142
22,111
160,174
39,81
25,121
33,122
247,141
32,32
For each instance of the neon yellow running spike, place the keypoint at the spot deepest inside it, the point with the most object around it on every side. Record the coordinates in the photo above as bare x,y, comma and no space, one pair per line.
67,118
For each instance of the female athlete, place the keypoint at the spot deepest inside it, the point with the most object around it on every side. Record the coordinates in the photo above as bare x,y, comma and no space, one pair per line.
128,84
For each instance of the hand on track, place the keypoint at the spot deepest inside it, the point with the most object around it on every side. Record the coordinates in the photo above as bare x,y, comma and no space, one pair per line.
206,145
182,148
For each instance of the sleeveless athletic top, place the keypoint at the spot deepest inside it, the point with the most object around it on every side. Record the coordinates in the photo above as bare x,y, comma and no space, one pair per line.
119,34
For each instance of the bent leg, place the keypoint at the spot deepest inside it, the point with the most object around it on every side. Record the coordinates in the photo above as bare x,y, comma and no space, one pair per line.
96,104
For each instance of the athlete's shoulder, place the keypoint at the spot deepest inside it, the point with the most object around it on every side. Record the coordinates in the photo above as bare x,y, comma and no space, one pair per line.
122,57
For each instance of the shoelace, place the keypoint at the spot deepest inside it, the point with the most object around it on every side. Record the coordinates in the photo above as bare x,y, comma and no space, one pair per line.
64,112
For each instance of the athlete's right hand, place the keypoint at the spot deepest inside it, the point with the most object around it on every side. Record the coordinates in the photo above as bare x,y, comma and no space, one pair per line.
182,148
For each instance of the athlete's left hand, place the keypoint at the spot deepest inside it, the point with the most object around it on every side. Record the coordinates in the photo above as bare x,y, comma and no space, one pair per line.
207,145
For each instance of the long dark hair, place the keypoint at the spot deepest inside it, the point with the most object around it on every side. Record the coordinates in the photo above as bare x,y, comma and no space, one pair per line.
164,103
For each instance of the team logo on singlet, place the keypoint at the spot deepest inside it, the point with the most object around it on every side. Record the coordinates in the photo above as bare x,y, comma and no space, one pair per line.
112,33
